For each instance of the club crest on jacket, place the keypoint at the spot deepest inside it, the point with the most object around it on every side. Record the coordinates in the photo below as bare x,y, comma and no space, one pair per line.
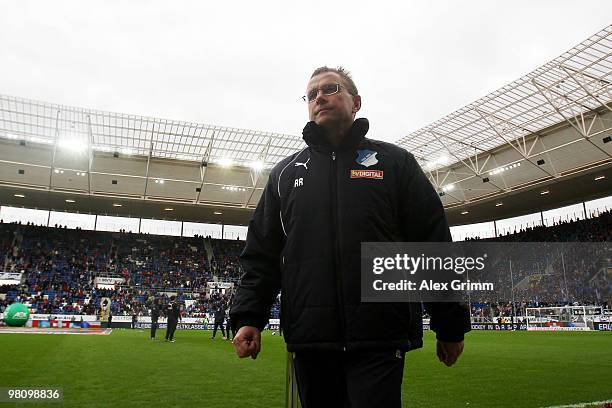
366,157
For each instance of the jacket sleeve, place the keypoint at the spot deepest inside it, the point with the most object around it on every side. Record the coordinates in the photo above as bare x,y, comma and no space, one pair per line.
260,261
423,220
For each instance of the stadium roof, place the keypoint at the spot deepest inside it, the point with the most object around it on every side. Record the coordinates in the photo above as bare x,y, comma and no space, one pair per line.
575,83
548,127
49,123
545,128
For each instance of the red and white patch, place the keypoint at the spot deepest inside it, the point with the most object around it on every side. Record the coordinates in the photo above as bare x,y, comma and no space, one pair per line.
367,174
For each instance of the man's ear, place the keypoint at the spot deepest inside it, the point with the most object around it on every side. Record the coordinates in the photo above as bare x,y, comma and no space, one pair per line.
356,103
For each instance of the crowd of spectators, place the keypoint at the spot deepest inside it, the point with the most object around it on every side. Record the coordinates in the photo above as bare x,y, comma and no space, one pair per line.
547,274
597,229
60,268
225,265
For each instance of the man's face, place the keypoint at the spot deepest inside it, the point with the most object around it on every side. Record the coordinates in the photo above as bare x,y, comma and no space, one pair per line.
332,111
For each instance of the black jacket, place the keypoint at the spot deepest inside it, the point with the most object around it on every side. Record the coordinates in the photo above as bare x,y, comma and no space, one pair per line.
305,239
154,313
219,315
173,311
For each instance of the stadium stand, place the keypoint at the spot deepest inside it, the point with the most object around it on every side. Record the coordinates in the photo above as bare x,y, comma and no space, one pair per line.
61,266
551,285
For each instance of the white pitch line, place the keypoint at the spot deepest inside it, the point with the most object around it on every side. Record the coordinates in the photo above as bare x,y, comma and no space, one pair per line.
581,404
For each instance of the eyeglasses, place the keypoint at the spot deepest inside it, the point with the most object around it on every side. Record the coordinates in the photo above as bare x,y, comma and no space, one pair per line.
328,89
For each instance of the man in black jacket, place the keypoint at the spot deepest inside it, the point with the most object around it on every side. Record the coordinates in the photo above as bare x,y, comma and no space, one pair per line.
318,206
219,319
173,314
154,318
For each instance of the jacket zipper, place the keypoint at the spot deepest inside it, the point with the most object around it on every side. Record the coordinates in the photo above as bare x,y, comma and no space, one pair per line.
336,239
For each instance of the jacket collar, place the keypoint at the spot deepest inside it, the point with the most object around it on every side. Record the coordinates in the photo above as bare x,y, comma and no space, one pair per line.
314,135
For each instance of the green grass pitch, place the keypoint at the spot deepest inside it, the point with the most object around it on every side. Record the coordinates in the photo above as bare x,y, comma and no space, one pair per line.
126,369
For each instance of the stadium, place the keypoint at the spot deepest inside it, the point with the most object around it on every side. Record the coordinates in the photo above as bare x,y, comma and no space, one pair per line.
104,213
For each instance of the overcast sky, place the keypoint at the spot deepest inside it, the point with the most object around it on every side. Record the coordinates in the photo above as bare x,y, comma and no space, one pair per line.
246,64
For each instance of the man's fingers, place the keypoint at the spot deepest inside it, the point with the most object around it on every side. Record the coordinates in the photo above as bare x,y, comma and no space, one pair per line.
247,342
448,353
441,353
458,352
241,346
451,359
253,348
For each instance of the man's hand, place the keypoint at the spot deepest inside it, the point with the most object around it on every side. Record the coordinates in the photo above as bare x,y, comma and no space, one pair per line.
448,353
247,342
